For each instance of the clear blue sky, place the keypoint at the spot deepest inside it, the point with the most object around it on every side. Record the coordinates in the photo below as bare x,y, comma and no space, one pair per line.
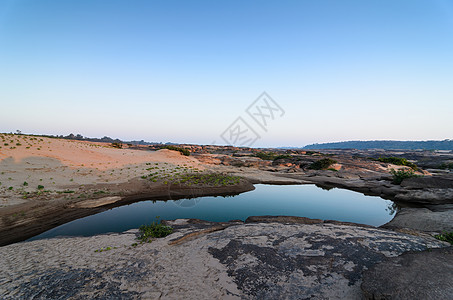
182,71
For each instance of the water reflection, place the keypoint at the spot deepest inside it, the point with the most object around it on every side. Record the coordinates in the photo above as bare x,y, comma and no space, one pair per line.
392,208
297,200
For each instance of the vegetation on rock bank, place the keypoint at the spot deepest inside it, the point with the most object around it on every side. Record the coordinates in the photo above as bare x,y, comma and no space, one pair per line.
322,164
154,230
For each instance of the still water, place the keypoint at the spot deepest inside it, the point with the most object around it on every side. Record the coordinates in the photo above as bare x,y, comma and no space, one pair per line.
291,200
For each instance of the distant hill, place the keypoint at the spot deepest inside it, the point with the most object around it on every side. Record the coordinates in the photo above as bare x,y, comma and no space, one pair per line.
387,145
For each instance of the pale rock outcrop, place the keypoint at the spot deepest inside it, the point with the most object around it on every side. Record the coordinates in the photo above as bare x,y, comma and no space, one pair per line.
233,261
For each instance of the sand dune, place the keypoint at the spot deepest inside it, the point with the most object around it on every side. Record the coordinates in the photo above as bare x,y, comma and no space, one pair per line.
84,154
27,162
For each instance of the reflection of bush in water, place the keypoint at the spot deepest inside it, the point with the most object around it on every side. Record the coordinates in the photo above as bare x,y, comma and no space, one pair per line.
392,208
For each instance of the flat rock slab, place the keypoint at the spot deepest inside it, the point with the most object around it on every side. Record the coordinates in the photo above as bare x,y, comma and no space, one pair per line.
91,203
428,182
242,261
422,219
422,275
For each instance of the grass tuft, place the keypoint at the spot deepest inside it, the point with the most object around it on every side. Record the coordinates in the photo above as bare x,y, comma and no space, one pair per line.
445,236
154,230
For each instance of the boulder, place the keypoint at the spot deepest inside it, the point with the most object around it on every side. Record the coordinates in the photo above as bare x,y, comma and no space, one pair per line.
422,219
415,275
427,182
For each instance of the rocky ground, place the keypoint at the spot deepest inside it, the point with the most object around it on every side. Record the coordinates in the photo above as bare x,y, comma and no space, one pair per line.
280,258
426,201
413,275
47,182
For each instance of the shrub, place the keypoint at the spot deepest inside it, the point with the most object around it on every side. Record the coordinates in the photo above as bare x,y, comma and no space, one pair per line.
310,152
40,187
322,164
445,236
266,155
399,161
271,155
117,145
400,175
282,156
446,166
155,229
174,148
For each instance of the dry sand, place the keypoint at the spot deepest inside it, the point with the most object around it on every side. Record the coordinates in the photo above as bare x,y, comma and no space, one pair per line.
27,162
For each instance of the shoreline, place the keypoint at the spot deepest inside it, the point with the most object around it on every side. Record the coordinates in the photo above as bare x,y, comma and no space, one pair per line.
55,214
51,182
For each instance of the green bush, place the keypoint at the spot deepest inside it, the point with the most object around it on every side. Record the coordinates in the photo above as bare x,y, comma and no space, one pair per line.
282,156
310,152
400,175
266,155
322,164
399,161
271,155
117,145
174,148
445,236
446,166
154,230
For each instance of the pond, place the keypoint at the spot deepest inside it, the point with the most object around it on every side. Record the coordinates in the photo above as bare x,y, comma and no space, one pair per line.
291,200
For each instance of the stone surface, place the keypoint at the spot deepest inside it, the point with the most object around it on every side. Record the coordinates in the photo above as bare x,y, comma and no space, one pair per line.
427,196
422,275
428,182
242,261
422,219
91,203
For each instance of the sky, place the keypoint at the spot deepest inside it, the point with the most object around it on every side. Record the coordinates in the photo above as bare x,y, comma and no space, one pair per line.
184,71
